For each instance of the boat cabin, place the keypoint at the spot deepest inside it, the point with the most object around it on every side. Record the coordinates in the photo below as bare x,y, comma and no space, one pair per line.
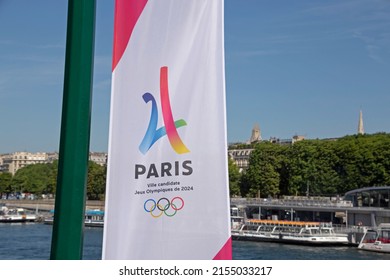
378,235
290,227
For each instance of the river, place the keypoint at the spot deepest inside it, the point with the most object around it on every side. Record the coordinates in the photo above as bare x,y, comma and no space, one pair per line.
32,242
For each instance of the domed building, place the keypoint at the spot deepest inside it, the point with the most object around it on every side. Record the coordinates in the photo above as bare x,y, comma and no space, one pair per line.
371,206
370,197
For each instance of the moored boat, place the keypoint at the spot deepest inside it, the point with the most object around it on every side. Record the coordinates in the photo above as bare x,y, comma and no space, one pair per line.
306,233
92,218
376,239
17,215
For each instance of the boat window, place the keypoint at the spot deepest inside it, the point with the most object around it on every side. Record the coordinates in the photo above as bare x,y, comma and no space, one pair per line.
315,231
384,237
264,228
280,229
251,227
370,237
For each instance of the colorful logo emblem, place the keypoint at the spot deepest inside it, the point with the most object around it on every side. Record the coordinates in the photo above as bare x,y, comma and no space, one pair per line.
153,134
163,206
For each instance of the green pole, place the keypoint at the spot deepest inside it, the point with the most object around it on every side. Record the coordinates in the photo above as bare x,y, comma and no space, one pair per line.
67,238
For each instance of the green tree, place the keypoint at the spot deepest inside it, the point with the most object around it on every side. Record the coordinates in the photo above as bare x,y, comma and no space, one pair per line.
5,183
234,178
42,179
311,165
35,178
264,173
321,167
96,183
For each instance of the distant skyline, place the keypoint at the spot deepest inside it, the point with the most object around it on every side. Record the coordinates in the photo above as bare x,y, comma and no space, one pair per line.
293,67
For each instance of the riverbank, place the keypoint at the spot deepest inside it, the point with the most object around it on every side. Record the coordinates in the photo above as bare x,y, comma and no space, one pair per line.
45,204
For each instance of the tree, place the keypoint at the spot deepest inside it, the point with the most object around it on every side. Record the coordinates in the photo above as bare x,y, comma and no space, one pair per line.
96,183
42,179
263,175
324,167
234,178
311,165
35,178
5,183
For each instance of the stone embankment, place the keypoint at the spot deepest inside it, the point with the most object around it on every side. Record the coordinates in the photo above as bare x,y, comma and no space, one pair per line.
45,204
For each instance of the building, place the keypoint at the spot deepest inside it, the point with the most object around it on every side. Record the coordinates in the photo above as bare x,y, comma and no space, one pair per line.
368,207
360,124
256,134
51,157
370,197
294,208
371,206
240,157
13,162
240,152
4,162
291,141
98,158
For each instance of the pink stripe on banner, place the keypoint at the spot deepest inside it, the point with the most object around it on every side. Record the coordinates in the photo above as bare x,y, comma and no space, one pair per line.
226,252
127,13
173,136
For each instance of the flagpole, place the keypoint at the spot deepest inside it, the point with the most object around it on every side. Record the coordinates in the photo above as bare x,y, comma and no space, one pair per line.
67,238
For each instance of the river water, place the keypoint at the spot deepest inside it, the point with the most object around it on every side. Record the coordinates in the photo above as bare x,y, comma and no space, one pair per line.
32,242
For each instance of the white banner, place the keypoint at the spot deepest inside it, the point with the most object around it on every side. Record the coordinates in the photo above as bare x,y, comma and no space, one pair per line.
167,183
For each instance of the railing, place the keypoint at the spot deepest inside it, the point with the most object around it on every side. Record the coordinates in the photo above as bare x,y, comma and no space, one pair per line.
348,229
303,202
338,229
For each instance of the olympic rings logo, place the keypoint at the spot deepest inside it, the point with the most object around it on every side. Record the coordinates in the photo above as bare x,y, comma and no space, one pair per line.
163,206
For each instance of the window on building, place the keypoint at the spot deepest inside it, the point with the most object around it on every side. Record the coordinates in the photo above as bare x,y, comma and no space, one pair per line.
383,197
365,199
374,201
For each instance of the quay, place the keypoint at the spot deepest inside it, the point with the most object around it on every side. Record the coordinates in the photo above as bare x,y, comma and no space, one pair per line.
45,205
314,209
43,209
363,208
343,214
339,212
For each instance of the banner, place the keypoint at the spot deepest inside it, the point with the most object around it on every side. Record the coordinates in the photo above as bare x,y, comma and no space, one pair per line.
167,182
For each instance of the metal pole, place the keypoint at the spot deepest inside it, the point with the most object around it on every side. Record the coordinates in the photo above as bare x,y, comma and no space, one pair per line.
67,238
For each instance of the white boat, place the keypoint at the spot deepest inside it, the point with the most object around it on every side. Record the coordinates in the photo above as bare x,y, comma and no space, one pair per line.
18,215
92,218
376,239
309,233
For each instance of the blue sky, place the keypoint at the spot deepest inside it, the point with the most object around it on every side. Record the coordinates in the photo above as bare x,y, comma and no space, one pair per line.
293,67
